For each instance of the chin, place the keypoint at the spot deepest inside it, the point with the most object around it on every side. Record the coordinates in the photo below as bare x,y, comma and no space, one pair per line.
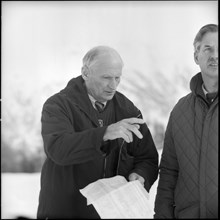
107,98
213,74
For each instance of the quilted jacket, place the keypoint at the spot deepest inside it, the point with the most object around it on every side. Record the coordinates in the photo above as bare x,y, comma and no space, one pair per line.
72,141
188,183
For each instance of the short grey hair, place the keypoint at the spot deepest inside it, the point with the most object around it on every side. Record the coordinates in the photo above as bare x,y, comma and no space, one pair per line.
205,29
92,55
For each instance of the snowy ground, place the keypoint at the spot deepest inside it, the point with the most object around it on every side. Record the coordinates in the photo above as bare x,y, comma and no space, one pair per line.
19,195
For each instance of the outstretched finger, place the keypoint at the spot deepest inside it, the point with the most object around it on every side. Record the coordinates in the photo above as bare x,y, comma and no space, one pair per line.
128,138
137,126
134,120
135,130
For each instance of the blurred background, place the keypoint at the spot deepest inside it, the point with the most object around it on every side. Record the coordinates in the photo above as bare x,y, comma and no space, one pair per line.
43,44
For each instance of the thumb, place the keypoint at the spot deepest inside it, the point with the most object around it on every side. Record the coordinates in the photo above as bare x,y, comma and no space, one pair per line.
132,177
135,176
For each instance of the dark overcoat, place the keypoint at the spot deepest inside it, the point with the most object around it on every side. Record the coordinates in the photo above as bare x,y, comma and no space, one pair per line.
72,142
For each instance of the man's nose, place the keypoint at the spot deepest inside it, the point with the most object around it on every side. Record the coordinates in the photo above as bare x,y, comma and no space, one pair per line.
215,53
113,84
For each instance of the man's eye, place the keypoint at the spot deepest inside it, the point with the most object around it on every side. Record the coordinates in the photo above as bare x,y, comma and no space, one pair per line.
207,49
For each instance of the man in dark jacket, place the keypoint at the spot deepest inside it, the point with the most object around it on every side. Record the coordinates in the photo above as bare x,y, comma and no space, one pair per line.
85,141
188,183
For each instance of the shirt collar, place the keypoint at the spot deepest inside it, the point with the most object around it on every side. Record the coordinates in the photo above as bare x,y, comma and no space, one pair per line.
204,90
93,101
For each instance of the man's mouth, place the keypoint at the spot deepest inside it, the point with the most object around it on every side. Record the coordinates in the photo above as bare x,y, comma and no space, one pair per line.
213,64
110,92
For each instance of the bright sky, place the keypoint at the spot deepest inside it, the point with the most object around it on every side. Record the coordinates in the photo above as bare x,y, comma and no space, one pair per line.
45,41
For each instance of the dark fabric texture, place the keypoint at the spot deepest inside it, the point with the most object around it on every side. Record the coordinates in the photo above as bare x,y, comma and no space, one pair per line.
73,143
188,183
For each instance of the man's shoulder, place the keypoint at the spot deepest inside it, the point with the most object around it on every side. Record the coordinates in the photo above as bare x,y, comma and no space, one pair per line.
120,95
55,98
125,103
183,103
123,98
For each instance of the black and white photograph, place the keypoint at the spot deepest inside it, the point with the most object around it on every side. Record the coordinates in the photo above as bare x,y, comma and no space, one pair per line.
109,109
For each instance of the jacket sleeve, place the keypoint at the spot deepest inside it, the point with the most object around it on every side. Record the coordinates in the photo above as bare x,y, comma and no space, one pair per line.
62,143
145,157
168,173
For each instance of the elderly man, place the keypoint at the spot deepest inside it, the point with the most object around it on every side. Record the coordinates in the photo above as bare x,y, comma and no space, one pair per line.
188,183
91,131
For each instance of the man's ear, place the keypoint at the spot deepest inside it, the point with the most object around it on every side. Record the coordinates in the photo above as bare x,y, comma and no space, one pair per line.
85,72
196,57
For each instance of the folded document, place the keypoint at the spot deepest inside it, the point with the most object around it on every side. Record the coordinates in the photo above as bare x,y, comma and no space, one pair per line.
116,198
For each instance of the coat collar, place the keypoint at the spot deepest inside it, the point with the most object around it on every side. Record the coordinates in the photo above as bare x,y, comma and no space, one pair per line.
76,92
196,86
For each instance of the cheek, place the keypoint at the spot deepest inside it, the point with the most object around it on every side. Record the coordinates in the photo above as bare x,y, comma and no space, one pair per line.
102,83
100,86
202,60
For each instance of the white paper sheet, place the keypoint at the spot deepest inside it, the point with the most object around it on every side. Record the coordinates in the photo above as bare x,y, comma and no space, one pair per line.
116,198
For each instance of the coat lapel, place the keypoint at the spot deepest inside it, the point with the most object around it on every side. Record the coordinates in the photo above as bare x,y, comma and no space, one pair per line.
76,92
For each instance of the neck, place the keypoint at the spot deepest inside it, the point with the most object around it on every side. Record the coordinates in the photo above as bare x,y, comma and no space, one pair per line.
211,84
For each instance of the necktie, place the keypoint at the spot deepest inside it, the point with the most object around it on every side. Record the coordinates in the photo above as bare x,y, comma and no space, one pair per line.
99,106
210,97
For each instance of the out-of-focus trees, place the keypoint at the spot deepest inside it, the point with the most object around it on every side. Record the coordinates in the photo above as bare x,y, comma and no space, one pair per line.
21,142
21,145
22,148
17,160
156,94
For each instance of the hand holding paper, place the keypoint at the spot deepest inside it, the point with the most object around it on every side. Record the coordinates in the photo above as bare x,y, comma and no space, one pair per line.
135,176
116,198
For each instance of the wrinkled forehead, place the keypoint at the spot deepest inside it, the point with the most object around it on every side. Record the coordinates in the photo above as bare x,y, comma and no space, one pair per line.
209,39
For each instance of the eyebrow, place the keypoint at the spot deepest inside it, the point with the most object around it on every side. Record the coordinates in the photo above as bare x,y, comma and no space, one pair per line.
207,46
